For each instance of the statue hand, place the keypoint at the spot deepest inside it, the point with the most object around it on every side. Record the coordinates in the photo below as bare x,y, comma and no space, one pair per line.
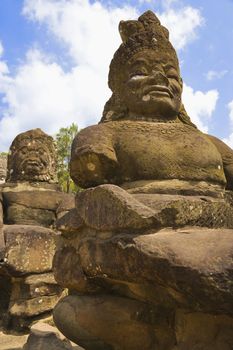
91,168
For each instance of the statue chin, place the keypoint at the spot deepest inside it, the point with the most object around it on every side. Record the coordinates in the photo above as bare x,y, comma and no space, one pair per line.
155,106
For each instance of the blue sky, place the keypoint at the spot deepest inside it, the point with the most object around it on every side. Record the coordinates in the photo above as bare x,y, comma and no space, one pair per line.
54,57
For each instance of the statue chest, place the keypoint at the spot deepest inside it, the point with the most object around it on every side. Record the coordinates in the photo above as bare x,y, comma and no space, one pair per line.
163,150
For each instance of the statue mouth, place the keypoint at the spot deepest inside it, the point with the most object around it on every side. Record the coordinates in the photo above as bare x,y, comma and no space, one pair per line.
157,90
33,164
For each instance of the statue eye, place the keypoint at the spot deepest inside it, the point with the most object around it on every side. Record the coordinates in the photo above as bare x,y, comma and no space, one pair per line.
138,74
40,151
172,74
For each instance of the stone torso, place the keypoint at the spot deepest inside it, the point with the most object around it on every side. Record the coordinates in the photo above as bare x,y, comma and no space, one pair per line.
166,151
147,151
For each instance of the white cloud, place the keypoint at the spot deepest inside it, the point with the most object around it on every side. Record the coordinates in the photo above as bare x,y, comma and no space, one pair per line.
182,24
200,105
88,29
141,2
42,94
3,65
1,49
3,69
229,140
230,106
212,74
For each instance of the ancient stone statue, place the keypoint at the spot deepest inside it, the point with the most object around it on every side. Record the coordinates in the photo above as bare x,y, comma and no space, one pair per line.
144,123
31,193
147,252
31,200
32,158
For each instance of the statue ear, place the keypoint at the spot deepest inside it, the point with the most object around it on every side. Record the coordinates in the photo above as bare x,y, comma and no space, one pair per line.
114,109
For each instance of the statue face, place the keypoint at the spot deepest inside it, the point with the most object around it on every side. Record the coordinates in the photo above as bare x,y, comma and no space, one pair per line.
33,158
152,85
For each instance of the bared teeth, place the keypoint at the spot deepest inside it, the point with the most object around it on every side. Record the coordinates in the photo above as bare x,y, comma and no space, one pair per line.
157,88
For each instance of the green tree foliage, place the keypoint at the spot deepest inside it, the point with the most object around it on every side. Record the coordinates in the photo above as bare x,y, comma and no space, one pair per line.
64,140
4,154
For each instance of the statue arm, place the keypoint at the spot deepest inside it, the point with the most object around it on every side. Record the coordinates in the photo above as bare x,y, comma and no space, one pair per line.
227,159
93,158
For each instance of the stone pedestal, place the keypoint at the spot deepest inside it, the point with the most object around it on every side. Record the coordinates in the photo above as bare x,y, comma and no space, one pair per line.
28,289
32,203
134,282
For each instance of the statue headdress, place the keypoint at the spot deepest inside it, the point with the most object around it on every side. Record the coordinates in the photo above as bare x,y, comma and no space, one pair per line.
144,33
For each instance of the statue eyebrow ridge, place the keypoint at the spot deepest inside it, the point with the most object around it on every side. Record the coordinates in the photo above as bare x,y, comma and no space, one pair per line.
140,60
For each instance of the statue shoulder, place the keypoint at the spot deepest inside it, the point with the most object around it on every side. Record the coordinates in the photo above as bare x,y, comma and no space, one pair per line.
225,151
227,159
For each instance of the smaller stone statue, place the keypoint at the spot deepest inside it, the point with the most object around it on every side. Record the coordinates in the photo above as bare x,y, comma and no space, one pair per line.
32,201
32,158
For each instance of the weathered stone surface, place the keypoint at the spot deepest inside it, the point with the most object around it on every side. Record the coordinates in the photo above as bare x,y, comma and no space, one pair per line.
30,198
5,292
43,336
67,204
226,153
68,271
91,166
35,286
3,168
155,288
33,295
110,208
98,207
174,187
146,106
32,158
27,204
38,198
186,272
136,325
2,241
28,289
46,340
32,307
83,320
70,222
194,265
42,330
178,211
21,215
203,331
29,249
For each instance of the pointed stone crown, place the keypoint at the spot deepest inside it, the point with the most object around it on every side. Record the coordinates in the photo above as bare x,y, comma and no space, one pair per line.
147,25
137,35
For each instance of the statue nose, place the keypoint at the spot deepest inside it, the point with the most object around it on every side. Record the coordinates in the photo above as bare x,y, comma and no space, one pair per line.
158,78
